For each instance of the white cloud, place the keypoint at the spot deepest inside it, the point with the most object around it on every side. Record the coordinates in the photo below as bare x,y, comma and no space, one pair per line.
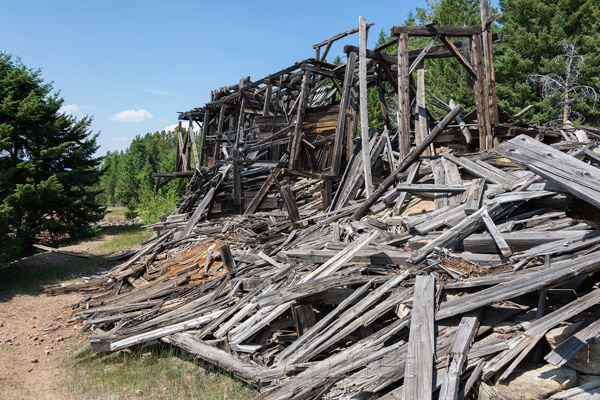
73,110
184,124
132,116
170,127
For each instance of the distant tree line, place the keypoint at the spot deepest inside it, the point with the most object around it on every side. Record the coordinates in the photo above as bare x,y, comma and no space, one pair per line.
127,176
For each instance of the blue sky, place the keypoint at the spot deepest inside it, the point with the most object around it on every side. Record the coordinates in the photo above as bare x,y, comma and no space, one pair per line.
133,65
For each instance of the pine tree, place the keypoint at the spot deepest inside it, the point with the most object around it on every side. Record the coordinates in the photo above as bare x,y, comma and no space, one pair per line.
47,163
532,29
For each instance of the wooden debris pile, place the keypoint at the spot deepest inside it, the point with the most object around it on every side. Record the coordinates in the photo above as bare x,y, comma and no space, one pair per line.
291,265
360,300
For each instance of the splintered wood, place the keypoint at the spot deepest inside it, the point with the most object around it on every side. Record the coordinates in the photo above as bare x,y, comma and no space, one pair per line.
281,266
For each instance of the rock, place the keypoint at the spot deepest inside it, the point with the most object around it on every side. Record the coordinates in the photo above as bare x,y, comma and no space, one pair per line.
587,360
534,382
47,352
34,360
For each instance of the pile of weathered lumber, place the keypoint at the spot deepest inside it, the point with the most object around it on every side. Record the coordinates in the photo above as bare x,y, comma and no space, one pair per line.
433,259
360,300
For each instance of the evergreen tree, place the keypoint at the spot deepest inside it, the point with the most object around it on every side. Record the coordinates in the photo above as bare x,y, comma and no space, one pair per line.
532,29
47,163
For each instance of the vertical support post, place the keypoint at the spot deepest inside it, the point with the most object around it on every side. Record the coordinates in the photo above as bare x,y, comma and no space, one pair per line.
296,139
340,129
268,95
421,122
192,141
492,96
364,120
483,122
240,127
403,96
205,129
182,164
380,93
237,184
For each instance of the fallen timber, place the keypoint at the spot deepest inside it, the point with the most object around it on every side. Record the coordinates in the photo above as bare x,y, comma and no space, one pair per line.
279,266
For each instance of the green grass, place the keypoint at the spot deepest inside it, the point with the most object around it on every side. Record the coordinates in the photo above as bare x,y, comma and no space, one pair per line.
128,237
156,372
115,213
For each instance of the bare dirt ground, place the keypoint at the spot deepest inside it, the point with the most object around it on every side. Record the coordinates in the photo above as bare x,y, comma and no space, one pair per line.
38,332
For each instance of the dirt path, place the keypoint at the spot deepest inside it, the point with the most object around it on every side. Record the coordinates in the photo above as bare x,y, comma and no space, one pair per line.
38,332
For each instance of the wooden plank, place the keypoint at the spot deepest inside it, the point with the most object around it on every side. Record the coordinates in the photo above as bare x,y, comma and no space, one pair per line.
403,96
290,203
418,375
364,119
574,343
477,169
454,31
214,355
483,122
341,127
237,182
406,162
489,61
459,349
268,95
560,272
452,178
570,174
227,258
458,55
418,62
439,178
296,137
421,120
68,253
495,234
474,196
193,144
412,173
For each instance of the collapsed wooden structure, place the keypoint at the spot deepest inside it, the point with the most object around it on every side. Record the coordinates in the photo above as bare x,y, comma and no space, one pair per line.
282,267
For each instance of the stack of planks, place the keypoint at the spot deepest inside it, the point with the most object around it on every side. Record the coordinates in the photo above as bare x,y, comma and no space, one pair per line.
450,273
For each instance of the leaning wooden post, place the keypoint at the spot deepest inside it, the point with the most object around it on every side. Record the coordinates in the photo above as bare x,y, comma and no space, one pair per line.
406,162
340,129
296,138
364,120
403,95
421,124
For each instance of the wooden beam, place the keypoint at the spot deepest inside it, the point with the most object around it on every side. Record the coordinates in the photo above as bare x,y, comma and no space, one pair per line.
488,51
403,96
461,59
418,372
422,54
340,129
454,31
421,121
364,118
483,122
